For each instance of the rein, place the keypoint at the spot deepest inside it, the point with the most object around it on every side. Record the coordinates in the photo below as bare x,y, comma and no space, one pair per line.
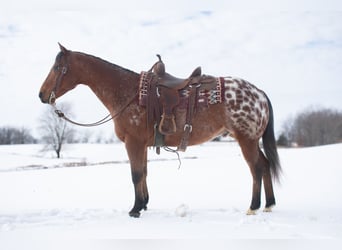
100,122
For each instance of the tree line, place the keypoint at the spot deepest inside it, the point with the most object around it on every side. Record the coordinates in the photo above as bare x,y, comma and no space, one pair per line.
312,127
13,135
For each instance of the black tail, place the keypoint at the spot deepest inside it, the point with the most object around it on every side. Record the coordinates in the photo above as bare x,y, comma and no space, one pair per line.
270,147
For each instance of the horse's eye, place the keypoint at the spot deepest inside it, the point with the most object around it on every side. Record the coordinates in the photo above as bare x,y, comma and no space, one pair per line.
56,68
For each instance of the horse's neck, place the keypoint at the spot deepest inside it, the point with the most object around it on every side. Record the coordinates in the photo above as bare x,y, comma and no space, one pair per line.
112,84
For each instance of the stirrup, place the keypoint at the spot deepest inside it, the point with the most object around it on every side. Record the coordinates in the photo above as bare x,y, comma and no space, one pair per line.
167,125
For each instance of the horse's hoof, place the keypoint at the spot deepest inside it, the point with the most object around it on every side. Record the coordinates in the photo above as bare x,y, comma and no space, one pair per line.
251,212
134,214
268,209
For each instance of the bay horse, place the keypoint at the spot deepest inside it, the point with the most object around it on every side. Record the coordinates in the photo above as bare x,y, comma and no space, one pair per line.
246,114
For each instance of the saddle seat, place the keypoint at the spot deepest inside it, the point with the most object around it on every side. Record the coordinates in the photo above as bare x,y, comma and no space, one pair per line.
170,81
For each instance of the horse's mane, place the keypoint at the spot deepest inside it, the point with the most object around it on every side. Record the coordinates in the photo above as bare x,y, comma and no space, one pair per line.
114,66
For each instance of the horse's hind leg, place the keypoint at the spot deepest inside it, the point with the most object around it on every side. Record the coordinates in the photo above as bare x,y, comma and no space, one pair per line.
250,151
267,179
260,170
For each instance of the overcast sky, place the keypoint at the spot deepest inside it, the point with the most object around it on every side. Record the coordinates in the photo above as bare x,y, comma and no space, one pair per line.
294,55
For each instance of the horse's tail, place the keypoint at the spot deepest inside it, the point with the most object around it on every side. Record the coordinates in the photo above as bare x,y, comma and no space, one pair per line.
270,147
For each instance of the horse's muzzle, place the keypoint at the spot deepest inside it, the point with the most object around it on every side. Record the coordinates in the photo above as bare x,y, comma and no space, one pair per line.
41,97
51,100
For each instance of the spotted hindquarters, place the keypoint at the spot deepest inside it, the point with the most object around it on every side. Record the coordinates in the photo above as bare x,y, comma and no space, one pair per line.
246,106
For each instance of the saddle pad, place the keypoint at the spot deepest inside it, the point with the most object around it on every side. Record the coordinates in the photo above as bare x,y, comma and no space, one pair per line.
204,97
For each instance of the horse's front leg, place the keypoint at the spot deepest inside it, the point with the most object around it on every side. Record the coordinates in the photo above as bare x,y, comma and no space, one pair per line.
137,154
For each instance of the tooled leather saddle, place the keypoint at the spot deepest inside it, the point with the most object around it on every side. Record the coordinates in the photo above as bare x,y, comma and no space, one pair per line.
164,92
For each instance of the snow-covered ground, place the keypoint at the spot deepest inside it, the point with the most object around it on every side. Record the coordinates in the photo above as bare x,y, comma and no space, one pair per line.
87,194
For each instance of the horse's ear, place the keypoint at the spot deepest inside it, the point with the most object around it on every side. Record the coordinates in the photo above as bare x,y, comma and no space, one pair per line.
63,49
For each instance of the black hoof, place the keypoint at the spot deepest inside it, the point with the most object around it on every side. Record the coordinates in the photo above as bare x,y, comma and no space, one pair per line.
134,214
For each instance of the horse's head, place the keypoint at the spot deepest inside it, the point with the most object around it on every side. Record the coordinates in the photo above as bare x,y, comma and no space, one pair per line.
60,78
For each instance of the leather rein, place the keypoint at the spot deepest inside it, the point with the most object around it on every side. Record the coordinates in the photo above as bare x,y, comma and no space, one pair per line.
106,119
60,113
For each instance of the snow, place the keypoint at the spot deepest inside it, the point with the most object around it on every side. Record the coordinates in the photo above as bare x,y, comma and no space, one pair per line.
87,194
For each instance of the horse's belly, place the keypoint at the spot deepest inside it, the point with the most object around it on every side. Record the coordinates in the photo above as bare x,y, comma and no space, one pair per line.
206,125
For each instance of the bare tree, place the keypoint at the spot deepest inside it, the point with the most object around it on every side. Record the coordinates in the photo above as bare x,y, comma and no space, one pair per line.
55,131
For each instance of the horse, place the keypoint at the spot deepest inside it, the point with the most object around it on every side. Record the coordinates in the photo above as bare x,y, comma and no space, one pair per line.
246,114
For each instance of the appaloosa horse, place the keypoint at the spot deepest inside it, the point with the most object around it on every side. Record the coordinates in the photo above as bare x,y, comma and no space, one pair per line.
245,113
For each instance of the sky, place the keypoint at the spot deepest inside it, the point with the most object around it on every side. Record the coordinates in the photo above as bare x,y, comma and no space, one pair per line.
293,52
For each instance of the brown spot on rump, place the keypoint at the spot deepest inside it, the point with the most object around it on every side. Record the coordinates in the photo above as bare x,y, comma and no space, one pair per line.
237,107
259,122
264,105
239,100
241,119
245,124
243,128
251,118
248,94
246,109
244,83
256,96
229,95
258,112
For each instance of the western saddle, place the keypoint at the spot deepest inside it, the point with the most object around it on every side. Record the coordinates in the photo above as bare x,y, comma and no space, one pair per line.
169,81
166,89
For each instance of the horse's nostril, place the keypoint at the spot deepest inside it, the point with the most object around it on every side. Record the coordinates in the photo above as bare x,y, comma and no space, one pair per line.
41,97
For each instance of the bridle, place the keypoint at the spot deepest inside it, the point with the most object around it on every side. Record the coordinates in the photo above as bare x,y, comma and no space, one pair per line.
60,114
52,96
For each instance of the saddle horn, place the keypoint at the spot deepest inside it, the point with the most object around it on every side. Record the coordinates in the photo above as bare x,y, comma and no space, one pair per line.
159,67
